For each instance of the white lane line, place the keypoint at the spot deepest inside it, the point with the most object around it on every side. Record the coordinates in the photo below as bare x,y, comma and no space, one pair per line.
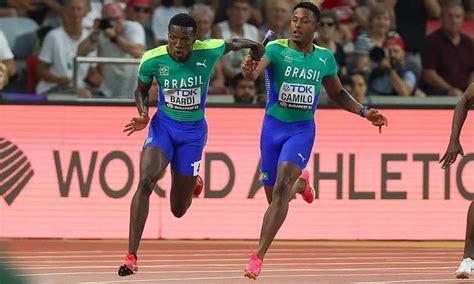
241,277
448,271
416,280
211,254
230,261
224,265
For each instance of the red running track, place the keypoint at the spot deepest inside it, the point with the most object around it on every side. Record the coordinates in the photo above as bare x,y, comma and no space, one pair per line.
97,261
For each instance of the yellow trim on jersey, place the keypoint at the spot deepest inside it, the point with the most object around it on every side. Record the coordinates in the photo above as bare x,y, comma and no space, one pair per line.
280,41
208,44
152,53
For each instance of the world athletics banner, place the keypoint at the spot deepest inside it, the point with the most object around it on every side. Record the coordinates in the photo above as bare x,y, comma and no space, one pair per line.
70,172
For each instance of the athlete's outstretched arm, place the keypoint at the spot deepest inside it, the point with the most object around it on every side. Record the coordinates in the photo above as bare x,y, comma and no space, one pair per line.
460,114
142,102
237,43
338,94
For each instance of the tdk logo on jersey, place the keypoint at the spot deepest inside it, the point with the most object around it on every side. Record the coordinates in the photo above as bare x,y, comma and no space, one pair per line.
298,88
184,93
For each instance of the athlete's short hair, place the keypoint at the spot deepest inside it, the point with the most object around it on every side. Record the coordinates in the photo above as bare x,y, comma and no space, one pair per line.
309,6
183,20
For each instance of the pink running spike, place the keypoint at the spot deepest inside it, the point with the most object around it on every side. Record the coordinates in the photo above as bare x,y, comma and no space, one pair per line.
130,266
199,186
308,193
253,268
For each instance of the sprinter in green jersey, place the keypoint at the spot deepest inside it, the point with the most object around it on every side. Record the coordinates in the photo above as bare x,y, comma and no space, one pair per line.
295,69
178,130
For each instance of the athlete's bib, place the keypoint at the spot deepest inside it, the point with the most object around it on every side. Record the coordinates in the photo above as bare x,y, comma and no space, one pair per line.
183,99
298,96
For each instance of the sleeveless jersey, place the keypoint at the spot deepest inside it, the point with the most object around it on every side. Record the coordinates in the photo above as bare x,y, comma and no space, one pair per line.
293,80
182,85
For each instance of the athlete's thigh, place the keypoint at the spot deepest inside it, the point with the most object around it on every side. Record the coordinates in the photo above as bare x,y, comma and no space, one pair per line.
268,193
153,163
270,148
182,187
189,146
158,149
297,148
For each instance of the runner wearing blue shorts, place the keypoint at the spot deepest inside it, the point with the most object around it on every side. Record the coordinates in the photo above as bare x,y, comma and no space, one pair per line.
295,69
178,131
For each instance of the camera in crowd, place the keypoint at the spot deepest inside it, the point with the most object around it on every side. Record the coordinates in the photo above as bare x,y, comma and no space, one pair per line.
105,24
377,54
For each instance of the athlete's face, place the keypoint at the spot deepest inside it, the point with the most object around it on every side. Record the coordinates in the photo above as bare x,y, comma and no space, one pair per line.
303,25
180,42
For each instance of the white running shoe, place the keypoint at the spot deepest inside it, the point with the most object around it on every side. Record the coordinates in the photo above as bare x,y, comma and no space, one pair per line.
464,270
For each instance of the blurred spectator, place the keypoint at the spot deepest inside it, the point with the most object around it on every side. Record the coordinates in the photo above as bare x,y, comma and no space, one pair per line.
222,7
116,37
244,91
411,18
278,19
3,76
55,65
95,12
6,55
379,26
448,55
236,26
347,83
162,16
140,11
34,9
327,33
390,77
359,90
352,16
204,16
469,4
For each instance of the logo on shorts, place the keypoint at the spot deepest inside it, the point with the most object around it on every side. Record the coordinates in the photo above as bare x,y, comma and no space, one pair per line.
15,170
164,70
302,158
148,140
196,167
263,176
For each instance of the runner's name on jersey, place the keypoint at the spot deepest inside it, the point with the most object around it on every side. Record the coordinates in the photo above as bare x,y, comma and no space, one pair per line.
299,96
183,99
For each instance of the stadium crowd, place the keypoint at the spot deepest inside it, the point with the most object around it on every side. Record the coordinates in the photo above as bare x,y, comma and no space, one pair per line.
403,48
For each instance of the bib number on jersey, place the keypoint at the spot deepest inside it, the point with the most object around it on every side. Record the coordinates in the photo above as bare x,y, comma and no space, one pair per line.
183,99
299,96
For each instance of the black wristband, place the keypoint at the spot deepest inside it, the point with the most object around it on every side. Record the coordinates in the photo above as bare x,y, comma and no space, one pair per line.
114,39
362,110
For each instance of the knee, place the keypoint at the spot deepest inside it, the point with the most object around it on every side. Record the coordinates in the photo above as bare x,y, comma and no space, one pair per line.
282,188
178,210
146,185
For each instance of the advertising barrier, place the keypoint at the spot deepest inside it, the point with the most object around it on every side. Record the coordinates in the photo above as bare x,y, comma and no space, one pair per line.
70,172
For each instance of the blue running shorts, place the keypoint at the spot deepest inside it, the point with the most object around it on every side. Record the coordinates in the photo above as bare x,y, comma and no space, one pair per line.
284,142
181,141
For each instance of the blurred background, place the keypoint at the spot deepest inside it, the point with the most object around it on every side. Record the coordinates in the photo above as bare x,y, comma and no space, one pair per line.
40,39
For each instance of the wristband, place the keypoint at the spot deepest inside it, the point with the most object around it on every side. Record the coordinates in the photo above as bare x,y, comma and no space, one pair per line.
362,110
